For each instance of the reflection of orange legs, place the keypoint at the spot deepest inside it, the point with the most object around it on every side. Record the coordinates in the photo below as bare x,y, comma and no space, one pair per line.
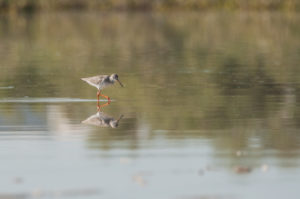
100,106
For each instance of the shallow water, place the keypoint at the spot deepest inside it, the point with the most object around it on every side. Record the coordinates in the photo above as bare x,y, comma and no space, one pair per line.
210,105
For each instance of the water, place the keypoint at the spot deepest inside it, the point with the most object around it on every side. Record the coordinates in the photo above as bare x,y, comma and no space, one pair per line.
210,105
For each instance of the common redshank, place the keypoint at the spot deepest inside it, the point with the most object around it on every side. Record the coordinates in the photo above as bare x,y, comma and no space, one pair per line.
102,81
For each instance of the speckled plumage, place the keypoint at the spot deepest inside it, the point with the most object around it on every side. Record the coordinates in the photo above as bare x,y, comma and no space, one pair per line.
99,81
102,81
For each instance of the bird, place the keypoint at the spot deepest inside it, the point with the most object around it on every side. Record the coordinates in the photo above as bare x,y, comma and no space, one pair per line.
102,120
102,81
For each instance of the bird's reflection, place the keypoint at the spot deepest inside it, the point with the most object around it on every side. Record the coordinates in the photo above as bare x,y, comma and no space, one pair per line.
102,120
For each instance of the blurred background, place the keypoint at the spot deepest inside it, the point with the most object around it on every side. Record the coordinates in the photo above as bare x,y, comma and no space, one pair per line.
211,103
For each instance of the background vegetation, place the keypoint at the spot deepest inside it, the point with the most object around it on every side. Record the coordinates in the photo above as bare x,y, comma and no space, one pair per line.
37,5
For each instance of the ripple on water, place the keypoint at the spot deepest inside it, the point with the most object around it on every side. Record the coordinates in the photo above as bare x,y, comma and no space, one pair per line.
6,87
45,100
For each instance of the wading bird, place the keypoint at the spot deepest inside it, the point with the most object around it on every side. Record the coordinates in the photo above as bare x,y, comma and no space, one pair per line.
102,81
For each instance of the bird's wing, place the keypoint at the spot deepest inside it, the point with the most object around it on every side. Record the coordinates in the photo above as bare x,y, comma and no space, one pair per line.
96,80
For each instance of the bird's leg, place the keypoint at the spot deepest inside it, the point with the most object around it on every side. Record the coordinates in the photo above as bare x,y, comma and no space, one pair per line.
98,100
106,97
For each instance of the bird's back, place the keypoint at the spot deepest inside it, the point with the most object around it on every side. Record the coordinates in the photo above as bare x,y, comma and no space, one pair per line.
95,80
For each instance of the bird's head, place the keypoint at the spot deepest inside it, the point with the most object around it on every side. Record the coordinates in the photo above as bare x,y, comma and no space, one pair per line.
115,77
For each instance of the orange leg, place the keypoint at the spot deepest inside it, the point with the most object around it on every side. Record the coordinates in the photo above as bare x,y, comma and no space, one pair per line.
98,100
106,97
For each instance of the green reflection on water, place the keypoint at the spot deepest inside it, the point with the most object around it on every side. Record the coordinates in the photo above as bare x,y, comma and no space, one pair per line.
231,78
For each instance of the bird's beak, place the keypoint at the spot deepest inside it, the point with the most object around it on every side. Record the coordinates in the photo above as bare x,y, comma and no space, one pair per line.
121,116
120,83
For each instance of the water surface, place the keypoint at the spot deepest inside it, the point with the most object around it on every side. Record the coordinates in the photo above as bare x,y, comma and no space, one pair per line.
210,105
